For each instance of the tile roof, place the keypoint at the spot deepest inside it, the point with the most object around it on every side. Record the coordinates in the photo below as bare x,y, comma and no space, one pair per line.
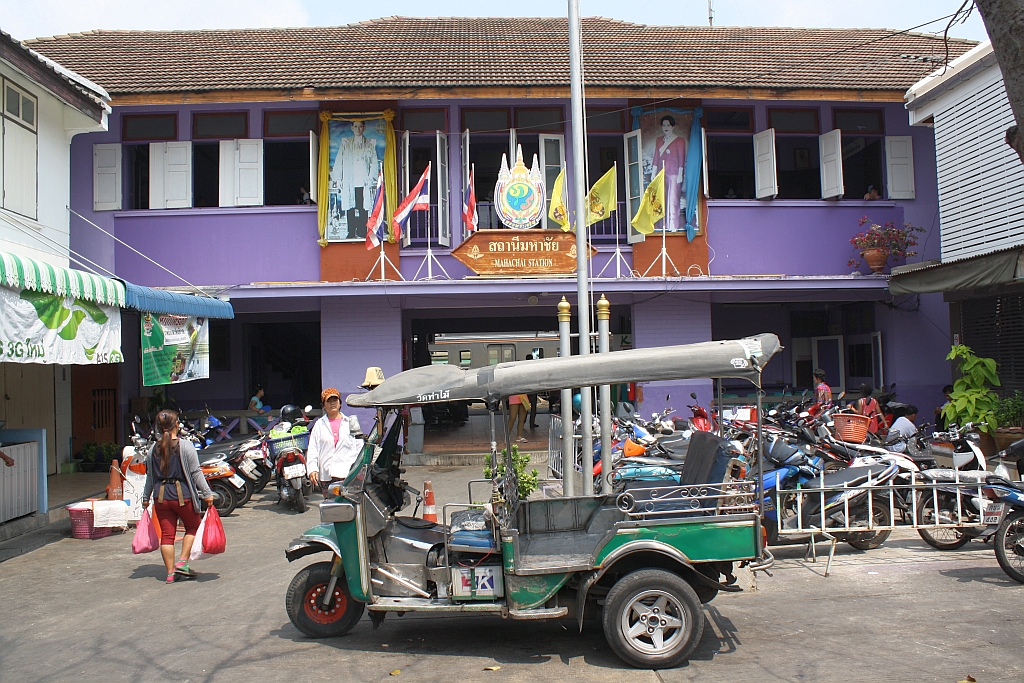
56,75
409,53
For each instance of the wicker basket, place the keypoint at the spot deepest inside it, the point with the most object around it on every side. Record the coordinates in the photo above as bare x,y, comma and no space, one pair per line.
81,524
291,442
851,427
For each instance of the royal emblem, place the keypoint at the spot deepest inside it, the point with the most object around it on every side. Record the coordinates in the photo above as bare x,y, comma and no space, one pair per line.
519,193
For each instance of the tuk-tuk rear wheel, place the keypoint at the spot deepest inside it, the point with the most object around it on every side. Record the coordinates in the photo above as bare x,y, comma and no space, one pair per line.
652,619
306,610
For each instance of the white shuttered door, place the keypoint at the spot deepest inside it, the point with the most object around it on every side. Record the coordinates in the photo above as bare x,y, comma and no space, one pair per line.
226,176
634,182
765,177
106,177
899,160
249,173
178,175
830,149
156,175
444,228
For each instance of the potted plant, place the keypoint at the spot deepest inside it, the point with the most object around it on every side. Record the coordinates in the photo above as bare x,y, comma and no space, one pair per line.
879,243
88,455
1010,415
973,399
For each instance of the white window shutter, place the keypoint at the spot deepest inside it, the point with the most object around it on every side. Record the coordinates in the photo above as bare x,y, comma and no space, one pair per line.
899,160
552,160
19,176
156,175
106,177
314,166
634,182
404,177
178,175
704,161
249,173
830,153
444,228
766,178
226,174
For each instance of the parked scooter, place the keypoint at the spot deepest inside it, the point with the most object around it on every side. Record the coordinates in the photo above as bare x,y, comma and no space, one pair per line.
1008,513
287,444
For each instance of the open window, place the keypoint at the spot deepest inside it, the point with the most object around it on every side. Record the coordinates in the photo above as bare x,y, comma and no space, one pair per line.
241,172
170,175
444,228
899,159
830,153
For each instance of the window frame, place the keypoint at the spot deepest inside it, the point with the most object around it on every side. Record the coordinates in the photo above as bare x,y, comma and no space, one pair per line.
542,129
442,110
124,127
593,112
728,131
219,114
817,120
267,113
863,134
508,119
24,94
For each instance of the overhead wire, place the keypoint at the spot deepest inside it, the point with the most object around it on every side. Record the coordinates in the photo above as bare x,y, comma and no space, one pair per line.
56,247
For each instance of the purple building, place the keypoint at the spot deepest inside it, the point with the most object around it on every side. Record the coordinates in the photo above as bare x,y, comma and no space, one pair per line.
784,135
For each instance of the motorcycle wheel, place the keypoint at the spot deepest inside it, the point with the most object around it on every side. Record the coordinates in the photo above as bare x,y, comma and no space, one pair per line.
304,601
941,539
300,498
869,540
263,476
246,493
1009,544
223,497
630,628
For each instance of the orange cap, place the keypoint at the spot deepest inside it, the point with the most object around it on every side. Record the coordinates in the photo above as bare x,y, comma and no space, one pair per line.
327,393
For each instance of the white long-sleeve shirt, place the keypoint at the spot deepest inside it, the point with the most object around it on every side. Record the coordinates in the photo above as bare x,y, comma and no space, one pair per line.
330,460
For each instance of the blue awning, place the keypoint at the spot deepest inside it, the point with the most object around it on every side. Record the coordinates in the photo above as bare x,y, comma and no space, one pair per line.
175,303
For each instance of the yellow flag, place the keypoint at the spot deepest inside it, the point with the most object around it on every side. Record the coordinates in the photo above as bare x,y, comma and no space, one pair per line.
559,211
603,197
652,205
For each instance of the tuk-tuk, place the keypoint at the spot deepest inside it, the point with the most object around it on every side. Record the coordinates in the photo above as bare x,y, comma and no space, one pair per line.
642,559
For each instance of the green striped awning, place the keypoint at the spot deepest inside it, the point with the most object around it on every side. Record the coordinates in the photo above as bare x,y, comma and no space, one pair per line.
19,272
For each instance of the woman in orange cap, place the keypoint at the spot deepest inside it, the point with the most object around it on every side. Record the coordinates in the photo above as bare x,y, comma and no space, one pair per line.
332,447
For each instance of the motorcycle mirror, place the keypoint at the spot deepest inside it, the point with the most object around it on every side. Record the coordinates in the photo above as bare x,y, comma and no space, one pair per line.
138,420
805,414
772,412
693,395
307,408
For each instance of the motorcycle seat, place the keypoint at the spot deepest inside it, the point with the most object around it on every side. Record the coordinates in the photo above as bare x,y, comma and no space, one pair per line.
415,523
853,476
947,475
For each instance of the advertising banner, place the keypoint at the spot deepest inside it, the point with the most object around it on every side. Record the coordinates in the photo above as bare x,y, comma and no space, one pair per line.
175,349
36,327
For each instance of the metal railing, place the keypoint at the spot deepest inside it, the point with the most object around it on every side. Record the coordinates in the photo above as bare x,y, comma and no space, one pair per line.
730,498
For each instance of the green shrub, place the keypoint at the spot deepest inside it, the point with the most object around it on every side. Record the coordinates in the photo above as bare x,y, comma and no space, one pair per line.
1011,410
88,451
528,481
972,399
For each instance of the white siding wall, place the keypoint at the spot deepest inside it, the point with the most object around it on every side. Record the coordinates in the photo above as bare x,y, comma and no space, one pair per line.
981,180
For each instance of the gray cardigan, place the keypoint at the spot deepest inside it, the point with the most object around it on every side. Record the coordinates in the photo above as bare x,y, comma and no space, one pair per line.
189,465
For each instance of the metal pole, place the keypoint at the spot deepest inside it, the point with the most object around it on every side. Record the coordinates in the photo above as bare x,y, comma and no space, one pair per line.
568,447
718,405
582,249
760,470
605,396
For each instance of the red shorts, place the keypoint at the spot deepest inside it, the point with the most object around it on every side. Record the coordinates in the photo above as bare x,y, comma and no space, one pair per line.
169,512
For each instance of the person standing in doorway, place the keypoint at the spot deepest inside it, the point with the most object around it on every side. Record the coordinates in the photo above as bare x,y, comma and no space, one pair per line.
173,474
822,391
333,448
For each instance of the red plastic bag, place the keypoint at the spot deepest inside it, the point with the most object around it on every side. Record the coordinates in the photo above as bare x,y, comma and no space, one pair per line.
213,533
146,539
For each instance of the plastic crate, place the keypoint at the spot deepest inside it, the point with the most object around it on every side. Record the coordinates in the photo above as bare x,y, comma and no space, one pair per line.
851,427
81,524
289,443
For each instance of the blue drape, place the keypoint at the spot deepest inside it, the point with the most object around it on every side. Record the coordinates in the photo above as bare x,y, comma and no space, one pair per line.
694,160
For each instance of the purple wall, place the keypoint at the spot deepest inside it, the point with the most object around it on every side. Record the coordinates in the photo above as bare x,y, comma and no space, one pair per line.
221,246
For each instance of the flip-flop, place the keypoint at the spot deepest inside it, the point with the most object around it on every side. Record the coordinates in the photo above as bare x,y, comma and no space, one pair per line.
183,569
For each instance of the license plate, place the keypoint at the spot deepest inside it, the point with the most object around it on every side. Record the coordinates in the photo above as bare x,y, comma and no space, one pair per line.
247,466
237,481
293,471
993,514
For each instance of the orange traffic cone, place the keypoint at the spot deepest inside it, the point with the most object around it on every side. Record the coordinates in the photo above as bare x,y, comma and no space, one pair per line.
114,488
429,511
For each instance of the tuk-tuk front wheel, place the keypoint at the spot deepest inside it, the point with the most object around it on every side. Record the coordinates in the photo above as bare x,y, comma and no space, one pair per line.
305,603
652,619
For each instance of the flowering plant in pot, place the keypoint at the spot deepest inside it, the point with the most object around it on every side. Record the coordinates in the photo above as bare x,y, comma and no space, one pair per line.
879,243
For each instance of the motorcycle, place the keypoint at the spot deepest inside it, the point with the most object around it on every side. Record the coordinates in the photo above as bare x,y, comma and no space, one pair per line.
1007,512
287,444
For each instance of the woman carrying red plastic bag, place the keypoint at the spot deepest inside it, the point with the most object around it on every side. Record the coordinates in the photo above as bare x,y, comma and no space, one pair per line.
174,477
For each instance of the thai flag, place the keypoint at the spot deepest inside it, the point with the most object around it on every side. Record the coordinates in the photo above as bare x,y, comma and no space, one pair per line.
376,220
418,200
469,214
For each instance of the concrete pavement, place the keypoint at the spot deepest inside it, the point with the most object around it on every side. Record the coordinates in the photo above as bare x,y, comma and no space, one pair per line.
92,611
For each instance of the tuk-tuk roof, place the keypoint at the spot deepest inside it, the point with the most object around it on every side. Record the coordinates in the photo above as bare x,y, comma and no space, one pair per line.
741,359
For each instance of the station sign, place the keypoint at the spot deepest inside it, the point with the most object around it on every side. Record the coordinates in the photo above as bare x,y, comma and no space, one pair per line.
513,252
